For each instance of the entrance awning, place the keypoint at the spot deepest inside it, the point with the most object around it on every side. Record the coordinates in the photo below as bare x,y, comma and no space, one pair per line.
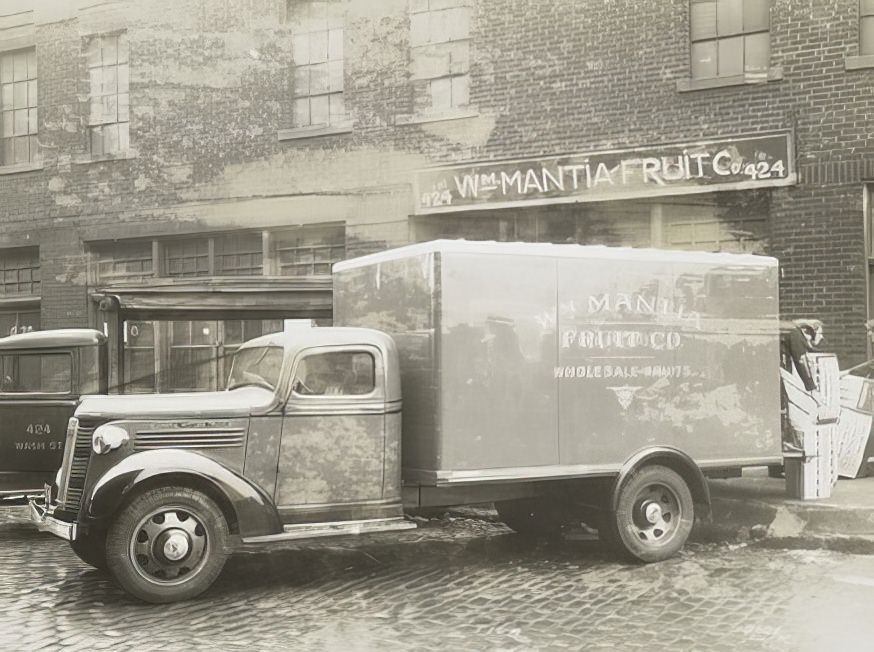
249,298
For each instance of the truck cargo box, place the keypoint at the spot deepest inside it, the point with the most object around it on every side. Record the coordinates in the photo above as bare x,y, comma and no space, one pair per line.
544,361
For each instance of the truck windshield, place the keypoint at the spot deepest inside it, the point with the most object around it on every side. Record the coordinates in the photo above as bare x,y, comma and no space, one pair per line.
256,366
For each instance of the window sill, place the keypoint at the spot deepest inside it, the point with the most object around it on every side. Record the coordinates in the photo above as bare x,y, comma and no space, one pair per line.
859,62
119,156
775,73
424,118
299,133
21,167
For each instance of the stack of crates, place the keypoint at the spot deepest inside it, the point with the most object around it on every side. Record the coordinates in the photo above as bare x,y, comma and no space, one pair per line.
812,472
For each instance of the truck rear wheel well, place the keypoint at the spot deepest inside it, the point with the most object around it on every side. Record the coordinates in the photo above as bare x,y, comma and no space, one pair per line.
190,482
686,469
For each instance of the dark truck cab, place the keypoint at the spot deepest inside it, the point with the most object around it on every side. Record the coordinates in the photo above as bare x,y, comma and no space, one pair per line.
42,376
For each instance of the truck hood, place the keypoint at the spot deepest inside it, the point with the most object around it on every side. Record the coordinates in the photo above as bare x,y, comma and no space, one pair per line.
238,402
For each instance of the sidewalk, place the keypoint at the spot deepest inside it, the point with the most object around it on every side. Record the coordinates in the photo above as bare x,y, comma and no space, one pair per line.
757,507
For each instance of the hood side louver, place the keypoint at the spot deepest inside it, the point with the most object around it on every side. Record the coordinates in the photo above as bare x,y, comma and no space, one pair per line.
189,438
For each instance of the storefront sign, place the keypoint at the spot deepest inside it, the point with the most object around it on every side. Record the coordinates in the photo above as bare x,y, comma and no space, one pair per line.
731,163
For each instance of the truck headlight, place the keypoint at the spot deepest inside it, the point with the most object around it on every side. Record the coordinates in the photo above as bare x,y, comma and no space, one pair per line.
107,438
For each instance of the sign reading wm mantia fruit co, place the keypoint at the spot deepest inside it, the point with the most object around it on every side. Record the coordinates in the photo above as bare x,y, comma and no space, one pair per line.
725,164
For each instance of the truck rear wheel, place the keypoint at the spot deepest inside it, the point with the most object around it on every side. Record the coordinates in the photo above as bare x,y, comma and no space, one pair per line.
654,514
532,517
168,544
91,549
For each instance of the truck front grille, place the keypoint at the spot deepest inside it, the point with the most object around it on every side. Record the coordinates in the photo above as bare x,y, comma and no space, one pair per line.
75,476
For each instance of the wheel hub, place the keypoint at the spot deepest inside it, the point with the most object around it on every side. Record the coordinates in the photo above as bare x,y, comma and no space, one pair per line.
652,512
176,545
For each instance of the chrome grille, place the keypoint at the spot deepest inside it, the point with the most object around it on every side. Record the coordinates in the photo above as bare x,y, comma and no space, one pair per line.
75,478
189,438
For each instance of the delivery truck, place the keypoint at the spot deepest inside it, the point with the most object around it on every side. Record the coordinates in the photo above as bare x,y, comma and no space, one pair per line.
562,383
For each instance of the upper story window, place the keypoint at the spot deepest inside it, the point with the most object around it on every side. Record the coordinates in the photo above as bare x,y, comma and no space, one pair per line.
317,48
18,111
730,38
440,53
109,100
20,272
866,27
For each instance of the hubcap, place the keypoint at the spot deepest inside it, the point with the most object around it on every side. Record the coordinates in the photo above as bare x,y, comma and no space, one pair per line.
169,545
653,512
176,545
657,514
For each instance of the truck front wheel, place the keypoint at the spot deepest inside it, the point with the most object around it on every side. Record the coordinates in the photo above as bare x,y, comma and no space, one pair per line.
168,544
654,514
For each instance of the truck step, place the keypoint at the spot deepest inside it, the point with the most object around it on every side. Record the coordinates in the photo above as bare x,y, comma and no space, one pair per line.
334,529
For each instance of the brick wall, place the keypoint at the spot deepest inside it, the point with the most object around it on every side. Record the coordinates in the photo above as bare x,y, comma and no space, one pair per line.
210,91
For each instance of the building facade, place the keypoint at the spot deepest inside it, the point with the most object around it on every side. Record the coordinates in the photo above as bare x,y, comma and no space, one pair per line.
183,174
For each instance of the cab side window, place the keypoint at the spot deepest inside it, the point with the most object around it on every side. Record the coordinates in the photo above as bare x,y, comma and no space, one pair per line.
341,373
50,373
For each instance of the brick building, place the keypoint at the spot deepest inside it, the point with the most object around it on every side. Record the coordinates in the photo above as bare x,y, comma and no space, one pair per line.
182,174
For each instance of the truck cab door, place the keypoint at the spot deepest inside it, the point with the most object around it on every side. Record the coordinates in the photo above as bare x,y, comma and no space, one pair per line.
333,442
38,395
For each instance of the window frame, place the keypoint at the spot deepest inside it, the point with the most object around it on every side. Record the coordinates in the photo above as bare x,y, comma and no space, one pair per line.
376,392
30,108
299,17
422,55
73,371
743,33
121,147
866,15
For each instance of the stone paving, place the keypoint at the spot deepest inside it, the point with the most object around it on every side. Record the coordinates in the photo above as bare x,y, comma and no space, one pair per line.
454,584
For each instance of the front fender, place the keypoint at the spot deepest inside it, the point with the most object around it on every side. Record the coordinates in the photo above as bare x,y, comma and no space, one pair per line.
253,508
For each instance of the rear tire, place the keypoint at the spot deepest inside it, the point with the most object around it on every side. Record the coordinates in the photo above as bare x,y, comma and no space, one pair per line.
539,517
654,514
92,549
168,544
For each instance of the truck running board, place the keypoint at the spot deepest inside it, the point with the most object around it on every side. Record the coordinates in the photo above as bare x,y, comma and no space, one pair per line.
334,529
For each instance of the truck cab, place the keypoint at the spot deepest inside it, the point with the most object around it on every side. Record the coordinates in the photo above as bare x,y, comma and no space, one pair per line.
304,442
42,376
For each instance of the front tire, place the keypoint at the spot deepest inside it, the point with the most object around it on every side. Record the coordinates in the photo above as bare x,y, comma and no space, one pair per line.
654,514
168,544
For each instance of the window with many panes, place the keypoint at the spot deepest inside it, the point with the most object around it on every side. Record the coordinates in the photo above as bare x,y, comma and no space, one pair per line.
317,49
185,355
440,53
109,100
18,110
310,250
19,271
239,254
188,257
123,261
729,38
866,27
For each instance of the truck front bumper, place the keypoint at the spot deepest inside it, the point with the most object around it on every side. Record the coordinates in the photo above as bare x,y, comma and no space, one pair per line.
45,522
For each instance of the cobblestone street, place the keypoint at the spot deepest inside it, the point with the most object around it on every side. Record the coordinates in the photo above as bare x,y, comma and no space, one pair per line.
460,584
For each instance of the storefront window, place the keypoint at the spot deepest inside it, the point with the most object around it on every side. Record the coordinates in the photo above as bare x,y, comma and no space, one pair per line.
185,356
139,357
727,221
13,322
